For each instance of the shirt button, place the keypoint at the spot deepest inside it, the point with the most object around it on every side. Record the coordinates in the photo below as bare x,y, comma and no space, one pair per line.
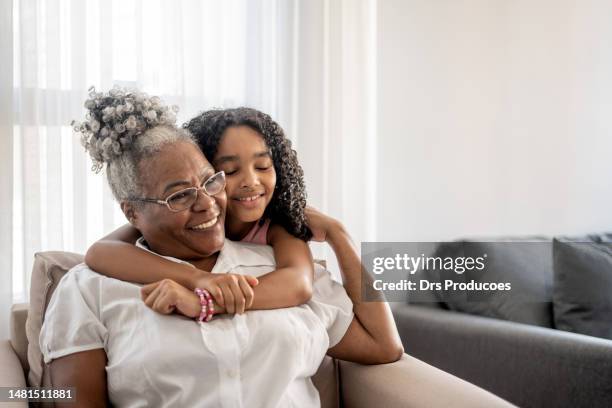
232,373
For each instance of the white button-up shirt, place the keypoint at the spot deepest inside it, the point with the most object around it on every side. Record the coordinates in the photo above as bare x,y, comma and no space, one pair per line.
262,358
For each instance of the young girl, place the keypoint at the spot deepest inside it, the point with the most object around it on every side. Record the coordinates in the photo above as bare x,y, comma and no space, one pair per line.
266,200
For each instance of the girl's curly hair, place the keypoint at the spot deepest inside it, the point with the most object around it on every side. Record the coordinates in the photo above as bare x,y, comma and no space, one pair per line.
288,202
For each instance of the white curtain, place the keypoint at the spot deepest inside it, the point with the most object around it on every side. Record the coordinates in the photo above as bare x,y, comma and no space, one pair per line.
6,164
310,64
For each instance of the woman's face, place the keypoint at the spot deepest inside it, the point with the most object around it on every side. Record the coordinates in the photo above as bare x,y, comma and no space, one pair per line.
249,169
187,234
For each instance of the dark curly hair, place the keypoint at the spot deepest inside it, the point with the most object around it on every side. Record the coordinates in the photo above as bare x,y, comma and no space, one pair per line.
288,202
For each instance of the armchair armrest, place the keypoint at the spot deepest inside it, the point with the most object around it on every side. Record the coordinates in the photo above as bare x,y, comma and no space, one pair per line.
11,372
19,340
409,383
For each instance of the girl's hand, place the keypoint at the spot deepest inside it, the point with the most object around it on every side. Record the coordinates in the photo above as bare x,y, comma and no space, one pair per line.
231,291
167,296
320,224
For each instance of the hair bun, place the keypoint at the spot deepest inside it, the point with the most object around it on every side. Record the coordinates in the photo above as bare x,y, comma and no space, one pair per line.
116,118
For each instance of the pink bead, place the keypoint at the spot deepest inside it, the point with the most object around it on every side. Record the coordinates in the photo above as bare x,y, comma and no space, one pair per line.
206,303
203,305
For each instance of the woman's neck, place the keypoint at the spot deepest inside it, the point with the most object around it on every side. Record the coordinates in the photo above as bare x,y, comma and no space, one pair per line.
236,229
205,264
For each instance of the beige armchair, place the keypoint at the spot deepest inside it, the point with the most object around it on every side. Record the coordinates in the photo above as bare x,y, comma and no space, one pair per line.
406,383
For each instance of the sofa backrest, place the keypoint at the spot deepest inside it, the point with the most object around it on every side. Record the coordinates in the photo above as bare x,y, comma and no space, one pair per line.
48,270
525,263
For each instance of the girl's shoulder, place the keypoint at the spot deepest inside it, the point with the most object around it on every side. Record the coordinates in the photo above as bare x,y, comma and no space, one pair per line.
259,233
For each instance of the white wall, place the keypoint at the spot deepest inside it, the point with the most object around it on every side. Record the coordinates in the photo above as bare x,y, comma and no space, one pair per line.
494,117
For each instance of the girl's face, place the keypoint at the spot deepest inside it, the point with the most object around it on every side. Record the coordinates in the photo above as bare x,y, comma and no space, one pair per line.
250,176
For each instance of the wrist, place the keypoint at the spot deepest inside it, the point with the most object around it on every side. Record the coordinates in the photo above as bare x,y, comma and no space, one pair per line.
199,279
334,231
189,307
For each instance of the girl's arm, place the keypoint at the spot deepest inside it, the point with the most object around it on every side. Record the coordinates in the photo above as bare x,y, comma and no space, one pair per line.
116,256
291,283
372,337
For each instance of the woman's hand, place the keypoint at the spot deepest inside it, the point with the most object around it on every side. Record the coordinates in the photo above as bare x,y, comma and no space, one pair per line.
232,291
167,296
320,224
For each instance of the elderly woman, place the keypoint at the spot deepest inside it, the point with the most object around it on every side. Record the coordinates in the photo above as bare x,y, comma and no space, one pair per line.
100,337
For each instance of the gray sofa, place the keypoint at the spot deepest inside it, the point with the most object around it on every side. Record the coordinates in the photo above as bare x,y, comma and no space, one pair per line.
527,364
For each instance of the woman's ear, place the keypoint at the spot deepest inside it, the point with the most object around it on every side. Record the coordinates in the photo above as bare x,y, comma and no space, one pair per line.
129,211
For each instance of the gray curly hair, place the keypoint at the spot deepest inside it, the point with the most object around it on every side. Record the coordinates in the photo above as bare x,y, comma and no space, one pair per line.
123,173
122,128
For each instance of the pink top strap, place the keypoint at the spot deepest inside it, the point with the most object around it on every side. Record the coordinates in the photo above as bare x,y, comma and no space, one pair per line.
258,234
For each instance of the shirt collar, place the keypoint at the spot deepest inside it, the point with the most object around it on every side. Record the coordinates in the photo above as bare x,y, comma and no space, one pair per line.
241,254
232,255
142,244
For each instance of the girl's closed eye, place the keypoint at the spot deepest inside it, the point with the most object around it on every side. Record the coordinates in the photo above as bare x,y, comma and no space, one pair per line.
259,168
263,166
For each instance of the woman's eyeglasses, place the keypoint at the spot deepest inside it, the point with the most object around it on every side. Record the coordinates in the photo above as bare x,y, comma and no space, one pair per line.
184,199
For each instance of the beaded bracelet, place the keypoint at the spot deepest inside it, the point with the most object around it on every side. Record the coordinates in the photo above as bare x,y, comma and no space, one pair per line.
203,305
211,308
207,308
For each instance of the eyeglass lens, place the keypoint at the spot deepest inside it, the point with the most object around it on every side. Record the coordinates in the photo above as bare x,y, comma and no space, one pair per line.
185,198
215,184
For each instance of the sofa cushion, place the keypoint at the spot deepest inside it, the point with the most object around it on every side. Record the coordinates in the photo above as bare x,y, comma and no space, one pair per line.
48,269
525,263
582,294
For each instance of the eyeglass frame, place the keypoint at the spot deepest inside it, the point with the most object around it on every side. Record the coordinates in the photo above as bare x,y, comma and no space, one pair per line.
198,189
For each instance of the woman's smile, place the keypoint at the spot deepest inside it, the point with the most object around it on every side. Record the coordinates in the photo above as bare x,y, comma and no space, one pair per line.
206,224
